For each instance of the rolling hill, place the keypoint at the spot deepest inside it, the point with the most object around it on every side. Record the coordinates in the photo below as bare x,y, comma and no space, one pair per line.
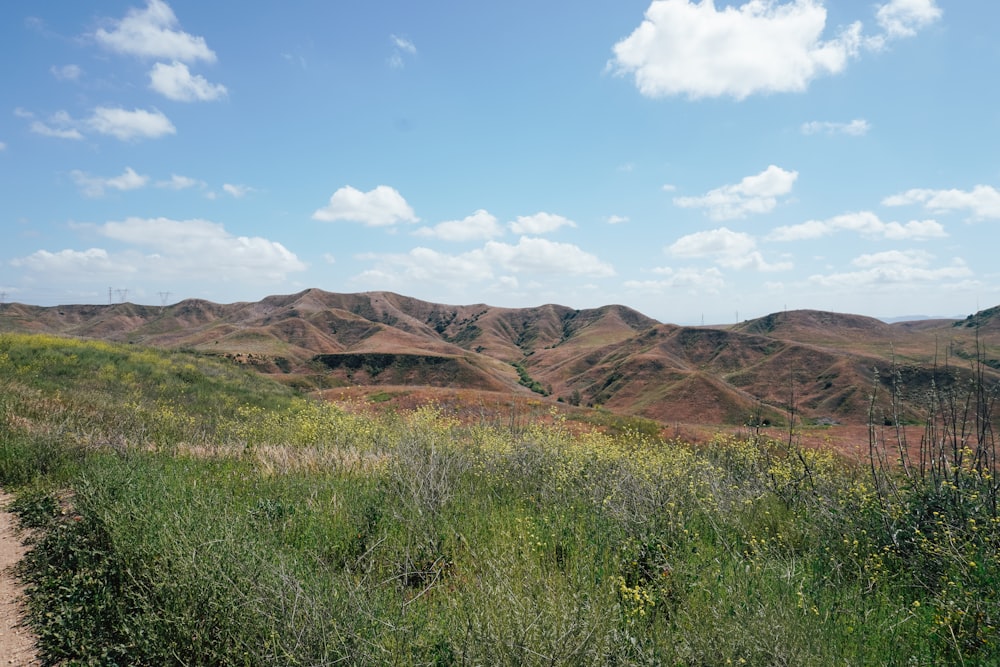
821,364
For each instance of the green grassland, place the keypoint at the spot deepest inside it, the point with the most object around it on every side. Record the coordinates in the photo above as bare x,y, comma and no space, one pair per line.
189,512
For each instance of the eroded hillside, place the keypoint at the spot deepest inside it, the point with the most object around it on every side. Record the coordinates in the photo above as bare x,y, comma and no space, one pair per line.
823,365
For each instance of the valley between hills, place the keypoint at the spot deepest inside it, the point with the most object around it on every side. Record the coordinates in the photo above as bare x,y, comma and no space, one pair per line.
821,367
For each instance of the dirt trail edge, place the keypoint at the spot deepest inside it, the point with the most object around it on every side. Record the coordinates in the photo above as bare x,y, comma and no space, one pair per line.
17,645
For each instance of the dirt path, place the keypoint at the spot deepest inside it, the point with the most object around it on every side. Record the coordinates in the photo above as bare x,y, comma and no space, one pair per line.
16,643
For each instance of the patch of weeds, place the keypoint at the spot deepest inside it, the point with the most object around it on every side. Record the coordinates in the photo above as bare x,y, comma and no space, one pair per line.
73,595
35,508
384,396
26,458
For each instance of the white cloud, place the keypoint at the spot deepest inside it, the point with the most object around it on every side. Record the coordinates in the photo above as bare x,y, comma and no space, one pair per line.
908,258
903,18
402,47
616,219
690,279
763,46
983,201
197,248
38,127
237,191
865,223
539,223
94,261
153,32
424,265
494,261
478,226
541,256
60,125
381,207
668,187
403,44
66,72
753,194
179,183
856,128
3,146
175,82
903,269
163,249
729,249
126,125
94,186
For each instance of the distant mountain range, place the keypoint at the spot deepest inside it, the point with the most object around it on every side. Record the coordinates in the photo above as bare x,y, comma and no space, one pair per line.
821,364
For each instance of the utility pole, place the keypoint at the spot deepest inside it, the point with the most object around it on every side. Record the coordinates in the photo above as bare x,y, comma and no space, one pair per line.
109,296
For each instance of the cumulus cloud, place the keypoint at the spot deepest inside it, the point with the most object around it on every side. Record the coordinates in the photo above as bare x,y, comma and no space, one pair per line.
128,125
616,219
906,269
66,72
95,186
692,280
539,223
91,262
763,46
754,194
982,202
381,207
176,82
495,261
729,249
856,128
424,265
865,223
541,256
153,32
479,226
162,248
113,121
903,18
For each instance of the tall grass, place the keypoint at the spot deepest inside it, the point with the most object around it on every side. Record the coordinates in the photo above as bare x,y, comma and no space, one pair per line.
213,518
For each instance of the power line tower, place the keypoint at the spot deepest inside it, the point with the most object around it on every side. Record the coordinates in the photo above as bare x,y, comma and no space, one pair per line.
122,294
164,297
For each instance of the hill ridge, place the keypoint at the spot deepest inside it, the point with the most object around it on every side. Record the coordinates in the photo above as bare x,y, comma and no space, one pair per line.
612,355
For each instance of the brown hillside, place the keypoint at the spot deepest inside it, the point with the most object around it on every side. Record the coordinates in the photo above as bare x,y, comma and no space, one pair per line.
817,326
821,364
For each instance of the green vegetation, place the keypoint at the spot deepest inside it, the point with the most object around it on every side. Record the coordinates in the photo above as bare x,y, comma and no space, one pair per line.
525,380
194,513
618,424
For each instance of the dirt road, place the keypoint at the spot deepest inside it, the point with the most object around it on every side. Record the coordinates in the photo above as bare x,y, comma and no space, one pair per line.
16,643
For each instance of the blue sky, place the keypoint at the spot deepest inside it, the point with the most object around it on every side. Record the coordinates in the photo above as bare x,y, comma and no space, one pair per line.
698,161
